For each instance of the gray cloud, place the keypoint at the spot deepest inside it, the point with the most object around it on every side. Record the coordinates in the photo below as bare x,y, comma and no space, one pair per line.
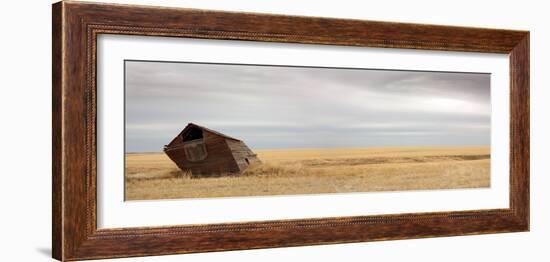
287,107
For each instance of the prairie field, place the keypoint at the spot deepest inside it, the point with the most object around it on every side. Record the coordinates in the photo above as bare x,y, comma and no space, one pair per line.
316,171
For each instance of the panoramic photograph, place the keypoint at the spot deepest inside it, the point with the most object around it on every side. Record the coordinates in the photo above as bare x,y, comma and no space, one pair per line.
203,130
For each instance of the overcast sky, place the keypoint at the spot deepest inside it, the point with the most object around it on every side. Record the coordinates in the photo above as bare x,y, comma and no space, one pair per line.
299,107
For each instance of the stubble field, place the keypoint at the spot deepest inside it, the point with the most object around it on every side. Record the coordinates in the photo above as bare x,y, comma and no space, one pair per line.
316,171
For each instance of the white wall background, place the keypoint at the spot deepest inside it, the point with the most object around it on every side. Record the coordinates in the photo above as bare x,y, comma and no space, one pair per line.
25,147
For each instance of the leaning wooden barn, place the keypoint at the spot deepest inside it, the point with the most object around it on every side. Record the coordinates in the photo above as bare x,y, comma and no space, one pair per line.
205,152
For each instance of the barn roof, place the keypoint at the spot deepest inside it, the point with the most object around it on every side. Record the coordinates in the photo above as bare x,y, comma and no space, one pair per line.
209,130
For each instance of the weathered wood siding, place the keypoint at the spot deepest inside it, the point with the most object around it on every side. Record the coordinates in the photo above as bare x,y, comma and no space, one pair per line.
218,161
242,154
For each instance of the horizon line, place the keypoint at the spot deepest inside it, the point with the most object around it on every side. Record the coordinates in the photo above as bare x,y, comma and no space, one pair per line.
350,147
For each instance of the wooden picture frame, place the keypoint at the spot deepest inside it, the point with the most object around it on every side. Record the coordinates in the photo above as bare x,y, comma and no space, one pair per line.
76,26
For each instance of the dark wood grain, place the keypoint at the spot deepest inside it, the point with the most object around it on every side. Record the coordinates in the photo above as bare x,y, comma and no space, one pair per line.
57,190
75,29
519,129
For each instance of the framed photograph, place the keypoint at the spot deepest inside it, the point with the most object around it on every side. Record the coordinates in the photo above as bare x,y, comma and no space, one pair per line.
183,130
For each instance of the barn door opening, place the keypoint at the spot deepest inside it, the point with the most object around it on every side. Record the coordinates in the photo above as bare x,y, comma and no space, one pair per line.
194,145
192,133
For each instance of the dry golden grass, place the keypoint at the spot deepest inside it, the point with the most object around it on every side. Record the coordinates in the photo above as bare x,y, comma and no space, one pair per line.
316,171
